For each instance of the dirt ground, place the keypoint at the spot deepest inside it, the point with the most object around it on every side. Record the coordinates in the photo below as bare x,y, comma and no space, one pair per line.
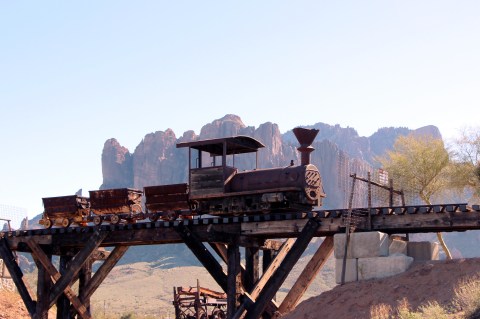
429,281
11,306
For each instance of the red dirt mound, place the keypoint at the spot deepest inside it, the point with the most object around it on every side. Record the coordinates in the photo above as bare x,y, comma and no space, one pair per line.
423,282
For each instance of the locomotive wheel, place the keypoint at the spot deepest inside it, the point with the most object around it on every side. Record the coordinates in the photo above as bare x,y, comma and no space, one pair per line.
48,223
114,219
97,220
66,222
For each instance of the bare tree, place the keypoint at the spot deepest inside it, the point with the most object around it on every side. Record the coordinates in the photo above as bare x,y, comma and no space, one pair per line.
465,168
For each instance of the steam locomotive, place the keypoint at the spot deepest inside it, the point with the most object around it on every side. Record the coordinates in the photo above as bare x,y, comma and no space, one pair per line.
214,188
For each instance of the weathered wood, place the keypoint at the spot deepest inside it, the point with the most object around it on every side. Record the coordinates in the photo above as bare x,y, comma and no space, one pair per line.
42,257
63,303
44,284
204,256
16,274
233,278
102,272
267,273
307,276
276,279
75,266
252,271
84,277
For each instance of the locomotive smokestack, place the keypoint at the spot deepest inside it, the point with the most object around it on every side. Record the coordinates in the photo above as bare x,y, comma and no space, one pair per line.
305,137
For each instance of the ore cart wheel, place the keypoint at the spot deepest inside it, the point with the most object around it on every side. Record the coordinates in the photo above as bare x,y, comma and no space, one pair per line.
219,314
48,223
66,222
97,220
115,219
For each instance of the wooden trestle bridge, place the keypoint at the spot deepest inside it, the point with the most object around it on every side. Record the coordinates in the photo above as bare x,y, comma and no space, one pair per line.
249,294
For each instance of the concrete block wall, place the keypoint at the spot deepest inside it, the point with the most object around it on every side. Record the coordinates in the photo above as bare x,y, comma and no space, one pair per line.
423,250
373,255
367,244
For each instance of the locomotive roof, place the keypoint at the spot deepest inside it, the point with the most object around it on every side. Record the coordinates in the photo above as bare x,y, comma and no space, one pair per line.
235,145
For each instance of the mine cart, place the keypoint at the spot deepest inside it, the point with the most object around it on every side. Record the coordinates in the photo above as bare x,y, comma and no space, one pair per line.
64,210
114,205
166,201
199,303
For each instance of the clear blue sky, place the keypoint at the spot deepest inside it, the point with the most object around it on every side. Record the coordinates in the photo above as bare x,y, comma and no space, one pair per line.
76,73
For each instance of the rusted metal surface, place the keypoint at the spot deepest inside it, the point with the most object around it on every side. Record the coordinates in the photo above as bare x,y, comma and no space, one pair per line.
305,137
116,201
198,302
64,210
166,197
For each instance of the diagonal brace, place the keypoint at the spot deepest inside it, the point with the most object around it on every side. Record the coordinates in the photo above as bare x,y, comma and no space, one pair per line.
277,279
17,274
76,265
204,256
103,271
52,271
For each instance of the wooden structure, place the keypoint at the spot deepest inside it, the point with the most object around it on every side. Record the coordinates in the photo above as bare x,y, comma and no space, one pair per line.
248,294
199,303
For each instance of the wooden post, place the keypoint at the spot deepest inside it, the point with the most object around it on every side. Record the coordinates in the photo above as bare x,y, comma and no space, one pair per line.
233,278
63,304
277,279
251,267
391,193
307,276
44,284
16,274
84,278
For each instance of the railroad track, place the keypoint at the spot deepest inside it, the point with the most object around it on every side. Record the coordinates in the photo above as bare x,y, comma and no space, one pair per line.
324,216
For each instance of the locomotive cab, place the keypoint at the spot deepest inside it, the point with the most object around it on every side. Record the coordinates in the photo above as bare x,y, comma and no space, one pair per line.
212,164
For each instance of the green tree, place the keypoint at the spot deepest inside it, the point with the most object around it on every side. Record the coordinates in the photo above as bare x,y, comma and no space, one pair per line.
419,164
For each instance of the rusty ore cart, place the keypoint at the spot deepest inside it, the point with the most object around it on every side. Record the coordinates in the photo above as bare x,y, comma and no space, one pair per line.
65,210
115,205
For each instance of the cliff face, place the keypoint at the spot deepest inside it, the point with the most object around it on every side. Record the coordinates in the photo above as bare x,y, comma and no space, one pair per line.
339,152
116,165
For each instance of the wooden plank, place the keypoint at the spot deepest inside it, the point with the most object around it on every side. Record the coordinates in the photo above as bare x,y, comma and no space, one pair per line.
307,276
16,274
233,278
42,257
102,272
273,227
276,280
76,265
204,256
